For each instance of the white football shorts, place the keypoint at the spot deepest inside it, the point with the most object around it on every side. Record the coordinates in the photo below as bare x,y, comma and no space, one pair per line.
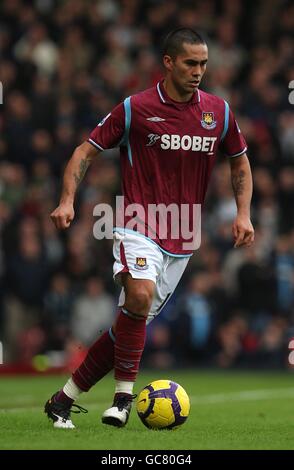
143,259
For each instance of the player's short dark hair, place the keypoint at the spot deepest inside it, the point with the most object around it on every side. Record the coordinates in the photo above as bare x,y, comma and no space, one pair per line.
173,43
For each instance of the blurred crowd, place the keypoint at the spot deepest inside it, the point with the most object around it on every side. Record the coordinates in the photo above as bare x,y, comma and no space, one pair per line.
64,65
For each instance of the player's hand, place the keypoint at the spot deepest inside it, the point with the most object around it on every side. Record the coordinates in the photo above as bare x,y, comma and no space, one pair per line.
63,215
243,231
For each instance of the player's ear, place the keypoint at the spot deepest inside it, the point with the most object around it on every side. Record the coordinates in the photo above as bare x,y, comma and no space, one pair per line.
168,62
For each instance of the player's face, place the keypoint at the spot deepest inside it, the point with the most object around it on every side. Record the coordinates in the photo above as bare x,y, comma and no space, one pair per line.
188,68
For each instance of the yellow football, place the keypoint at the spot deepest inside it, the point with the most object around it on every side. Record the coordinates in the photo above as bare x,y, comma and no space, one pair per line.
163,404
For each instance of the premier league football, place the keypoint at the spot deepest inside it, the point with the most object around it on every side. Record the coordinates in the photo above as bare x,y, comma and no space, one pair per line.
163,404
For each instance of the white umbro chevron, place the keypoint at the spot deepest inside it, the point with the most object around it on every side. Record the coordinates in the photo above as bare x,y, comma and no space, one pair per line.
126,365
155,119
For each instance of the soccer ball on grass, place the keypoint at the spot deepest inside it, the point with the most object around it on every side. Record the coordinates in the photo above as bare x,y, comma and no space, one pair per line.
163,404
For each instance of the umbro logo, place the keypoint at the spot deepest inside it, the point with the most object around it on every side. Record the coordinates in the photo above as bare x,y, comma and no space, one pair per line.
126,365
155,119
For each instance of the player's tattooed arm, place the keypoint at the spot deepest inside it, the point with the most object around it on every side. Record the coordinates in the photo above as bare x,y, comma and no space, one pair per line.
242,229
241,183
75,170
238,182
84,164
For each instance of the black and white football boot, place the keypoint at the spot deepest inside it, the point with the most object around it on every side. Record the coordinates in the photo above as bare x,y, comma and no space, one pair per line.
118,414
60,413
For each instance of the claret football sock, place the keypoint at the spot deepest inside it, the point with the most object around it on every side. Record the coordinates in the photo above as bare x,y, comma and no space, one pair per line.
68,394
98,362
61,397
129,345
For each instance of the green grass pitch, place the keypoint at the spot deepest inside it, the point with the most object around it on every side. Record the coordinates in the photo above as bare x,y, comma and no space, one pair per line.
229,410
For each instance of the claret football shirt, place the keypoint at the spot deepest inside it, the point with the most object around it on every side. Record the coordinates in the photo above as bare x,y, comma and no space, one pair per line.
167,152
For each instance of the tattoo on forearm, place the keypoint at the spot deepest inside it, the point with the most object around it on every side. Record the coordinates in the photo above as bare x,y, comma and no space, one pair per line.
238,183
82,170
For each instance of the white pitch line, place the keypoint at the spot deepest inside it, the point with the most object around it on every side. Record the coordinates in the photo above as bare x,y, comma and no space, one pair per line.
244,395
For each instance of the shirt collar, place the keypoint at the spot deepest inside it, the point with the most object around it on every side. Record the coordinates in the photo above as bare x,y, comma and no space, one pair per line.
164,98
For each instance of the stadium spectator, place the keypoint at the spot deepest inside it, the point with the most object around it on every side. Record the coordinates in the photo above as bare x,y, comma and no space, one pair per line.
93,312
